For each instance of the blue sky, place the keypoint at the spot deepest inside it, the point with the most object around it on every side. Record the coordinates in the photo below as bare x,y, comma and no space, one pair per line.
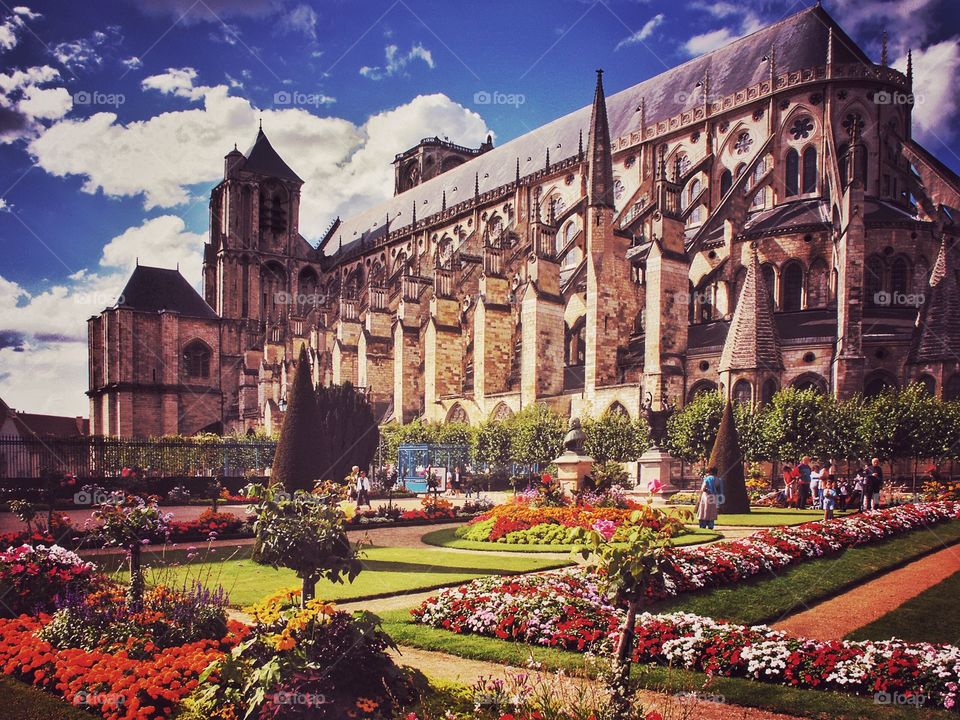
114,119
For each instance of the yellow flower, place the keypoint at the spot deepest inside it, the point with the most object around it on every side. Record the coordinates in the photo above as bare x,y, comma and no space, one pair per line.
348,508
283,641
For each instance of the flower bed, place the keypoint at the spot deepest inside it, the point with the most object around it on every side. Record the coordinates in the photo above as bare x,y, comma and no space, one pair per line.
526,524
567,609
37,577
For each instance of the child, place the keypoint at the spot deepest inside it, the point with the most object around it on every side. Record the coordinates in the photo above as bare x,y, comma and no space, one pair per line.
829,499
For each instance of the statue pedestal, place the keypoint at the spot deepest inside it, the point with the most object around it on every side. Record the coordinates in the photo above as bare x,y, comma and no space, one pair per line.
571,469
657,464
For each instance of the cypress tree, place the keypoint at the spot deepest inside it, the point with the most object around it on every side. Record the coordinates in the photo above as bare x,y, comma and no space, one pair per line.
728,460
347,430
295,464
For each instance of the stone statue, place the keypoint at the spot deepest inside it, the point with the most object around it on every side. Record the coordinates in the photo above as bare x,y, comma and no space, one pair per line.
575,438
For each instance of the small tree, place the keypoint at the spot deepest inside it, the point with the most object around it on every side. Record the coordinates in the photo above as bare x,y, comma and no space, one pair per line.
295,464
536,435
632,575
793,426
728,460
346,430
692,429
491,444
305,533
842,429
750,423
614,436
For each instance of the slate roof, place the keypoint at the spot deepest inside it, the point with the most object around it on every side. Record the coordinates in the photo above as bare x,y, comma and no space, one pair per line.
937,335
752,341
801,42
264,160
31,424
152,289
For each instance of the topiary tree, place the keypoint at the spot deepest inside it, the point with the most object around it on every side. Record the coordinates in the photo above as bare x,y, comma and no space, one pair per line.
692,430
346,431
842,429
536,435
614,436
728,459
792,427
491,444
297,458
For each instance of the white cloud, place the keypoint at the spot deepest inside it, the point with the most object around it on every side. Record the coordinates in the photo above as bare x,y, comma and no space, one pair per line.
705,42
5,206
643,33
396,63
43,335
176,81
132,63
13,24
346,166
46,104
299,20
26,99
910,22
936,76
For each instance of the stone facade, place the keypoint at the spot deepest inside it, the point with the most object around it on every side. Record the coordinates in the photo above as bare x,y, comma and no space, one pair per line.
595,262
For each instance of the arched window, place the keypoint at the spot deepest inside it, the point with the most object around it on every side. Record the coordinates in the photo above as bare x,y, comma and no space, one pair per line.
726,182
770,280
768,391
575,347
457,414
818,294
842,154
706,296
928,383
572,258
196,360
694,190
245,287
617,408
700,387
791,179
792,287
809,170
742,392
951,388
900,276
810,381
878,383
307,298
273,291
873,281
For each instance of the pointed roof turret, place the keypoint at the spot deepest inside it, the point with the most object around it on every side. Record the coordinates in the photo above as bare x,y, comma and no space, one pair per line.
937,333
264,160
600,169
752,340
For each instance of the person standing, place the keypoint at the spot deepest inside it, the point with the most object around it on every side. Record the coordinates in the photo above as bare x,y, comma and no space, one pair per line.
789,486
363,489
816,475
876,483
803,482
711,490
843,493
829,499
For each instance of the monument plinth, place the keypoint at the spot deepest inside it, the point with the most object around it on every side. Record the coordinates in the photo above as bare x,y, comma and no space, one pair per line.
573,466
657,466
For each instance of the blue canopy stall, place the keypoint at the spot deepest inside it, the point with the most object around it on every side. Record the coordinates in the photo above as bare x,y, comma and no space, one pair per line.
413,461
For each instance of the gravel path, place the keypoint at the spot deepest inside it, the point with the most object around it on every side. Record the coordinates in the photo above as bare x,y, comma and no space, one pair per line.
440,666
836,618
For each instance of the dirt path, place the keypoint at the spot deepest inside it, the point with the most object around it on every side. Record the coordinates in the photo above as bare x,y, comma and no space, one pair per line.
441,666
836,618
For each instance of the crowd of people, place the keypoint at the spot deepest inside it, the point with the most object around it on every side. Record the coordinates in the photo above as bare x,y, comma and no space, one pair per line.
819,485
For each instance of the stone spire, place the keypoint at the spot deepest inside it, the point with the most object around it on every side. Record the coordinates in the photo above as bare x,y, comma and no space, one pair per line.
937,333
883,48
752,341
600,169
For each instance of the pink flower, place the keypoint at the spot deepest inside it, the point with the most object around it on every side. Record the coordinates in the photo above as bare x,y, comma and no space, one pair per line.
606,528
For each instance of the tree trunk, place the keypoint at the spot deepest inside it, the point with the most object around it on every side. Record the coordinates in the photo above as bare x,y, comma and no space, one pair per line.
621,701
308,589
137,583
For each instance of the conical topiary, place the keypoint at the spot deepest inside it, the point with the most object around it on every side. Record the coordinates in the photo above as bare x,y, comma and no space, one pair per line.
296,464
728,460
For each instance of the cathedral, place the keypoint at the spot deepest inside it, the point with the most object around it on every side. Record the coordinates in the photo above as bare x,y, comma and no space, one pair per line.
756,218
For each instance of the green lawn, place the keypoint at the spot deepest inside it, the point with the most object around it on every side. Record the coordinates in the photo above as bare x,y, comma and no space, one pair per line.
770,598
448,538
929,617
25,702
386,571
765,517
736,691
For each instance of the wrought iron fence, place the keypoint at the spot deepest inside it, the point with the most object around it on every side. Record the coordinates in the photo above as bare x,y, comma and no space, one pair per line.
101,457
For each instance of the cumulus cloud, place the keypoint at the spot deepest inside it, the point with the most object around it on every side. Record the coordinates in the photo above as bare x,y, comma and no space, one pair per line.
643,33
346,166
713,39
396,63
299,20
27,98
936,74
86,53
13,24
43,335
